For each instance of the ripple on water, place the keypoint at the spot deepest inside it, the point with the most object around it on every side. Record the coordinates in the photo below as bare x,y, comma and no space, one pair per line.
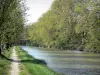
75,71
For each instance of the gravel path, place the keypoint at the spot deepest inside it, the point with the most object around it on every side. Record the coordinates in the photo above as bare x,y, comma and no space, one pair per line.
14,64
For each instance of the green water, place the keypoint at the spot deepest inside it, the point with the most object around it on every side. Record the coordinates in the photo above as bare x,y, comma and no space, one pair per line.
68,62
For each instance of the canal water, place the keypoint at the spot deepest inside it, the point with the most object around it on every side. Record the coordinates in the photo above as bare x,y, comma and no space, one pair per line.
67,62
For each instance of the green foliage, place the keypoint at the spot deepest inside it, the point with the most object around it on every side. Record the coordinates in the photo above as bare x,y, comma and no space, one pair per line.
11,20
69,24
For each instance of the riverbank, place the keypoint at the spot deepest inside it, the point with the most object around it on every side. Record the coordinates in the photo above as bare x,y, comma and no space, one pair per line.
5,62
32,66
55,49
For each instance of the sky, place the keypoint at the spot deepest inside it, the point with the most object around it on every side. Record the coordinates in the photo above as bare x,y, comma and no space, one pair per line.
36,9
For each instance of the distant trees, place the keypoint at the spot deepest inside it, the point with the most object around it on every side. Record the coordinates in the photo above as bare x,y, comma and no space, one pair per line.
11,21
69,24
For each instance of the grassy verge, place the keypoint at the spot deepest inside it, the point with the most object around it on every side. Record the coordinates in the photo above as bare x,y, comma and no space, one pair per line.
32,66
4,63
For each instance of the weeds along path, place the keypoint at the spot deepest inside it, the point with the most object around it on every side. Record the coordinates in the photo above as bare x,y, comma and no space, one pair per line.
15,63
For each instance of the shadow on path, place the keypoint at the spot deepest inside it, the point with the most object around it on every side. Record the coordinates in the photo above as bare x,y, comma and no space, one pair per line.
35,61
3,56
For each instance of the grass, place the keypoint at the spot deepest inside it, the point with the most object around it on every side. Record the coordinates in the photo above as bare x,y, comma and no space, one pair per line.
32,66
4,63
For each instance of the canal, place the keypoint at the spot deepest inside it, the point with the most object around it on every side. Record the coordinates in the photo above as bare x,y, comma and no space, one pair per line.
67,62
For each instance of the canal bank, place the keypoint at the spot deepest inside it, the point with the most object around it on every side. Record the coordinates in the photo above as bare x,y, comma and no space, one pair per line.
31,66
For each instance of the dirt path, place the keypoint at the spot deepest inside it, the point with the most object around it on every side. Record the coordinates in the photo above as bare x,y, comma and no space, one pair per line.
14,64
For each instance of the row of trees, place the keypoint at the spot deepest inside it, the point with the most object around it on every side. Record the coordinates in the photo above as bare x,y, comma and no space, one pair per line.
68,24
11,21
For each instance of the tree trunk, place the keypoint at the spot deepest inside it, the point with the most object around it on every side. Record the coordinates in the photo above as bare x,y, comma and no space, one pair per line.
0,50
7,45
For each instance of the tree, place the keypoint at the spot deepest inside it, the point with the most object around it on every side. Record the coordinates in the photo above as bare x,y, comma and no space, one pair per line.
69,24
11,21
